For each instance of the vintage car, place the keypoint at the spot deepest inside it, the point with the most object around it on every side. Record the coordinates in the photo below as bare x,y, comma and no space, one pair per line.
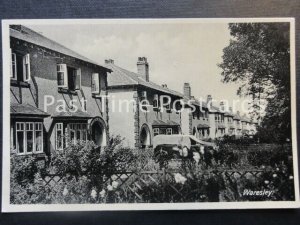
183,145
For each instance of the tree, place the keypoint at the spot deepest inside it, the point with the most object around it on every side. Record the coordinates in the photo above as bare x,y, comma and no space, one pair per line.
258,58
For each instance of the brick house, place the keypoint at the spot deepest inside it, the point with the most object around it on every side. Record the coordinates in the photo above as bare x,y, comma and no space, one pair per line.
55,93
237,124
135,122
195,122
216,118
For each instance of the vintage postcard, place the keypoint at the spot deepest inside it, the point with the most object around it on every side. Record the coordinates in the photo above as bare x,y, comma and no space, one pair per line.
149,114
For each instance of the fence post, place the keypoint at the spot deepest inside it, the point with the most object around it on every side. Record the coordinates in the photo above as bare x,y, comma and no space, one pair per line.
164,182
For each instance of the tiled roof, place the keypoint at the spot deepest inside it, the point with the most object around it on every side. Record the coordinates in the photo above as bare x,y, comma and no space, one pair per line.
24,33
215,109
166,124
245,119
172,123
221,126
158,123
123,77
196,102
199,126
74,115
236,117
229,114
26,110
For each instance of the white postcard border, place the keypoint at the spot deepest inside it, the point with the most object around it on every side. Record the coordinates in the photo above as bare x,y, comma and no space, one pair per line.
7,207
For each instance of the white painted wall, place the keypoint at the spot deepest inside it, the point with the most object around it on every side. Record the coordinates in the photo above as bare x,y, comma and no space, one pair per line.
121,120
185,121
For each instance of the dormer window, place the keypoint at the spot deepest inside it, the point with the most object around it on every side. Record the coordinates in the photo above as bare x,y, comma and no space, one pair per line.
68,77
20,67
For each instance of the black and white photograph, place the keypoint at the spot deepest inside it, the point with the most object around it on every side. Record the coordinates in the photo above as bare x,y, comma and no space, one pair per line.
149,114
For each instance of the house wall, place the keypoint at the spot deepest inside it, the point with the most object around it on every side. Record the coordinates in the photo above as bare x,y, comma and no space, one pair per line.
121,119
212,129
43,66
186,122
147,118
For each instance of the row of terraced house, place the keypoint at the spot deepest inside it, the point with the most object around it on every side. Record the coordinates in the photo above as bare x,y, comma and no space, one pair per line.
56,94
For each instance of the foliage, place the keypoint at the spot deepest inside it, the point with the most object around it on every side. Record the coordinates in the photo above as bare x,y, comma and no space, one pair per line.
258,58
119,175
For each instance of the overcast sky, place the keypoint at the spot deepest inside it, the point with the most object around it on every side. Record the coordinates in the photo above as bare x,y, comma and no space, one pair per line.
176,53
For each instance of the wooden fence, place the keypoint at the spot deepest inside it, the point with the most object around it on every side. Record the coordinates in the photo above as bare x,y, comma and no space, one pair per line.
161,185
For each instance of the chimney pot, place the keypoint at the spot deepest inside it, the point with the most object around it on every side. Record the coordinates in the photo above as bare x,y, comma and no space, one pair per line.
222,106
209,100
143,67
109,61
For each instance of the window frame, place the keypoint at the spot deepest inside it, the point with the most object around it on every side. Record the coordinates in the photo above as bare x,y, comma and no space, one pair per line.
13,66
75,127
169,131
25,131
156,131
26,69
62,68
95,83
56,136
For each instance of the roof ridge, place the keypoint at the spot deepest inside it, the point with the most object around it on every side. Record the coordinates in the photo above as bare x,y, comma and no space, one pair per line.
120,69
27,32
138,79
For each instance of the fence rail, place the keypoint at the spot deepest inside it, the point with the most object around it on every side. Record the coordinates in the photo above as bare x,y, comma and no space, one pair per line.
139,186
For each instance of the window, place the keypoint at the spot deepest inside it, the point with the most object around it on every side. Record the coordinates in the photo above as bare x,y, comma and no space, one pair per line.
156,102
26,68
95,83
20,138
20,67
13,72
156,131
38,137
59,136
29,137
169,131
78,132
68,77
162,131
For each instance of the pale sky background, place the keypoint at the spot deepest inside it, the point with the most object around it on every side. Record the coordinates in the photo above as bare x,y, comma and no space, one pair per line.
176,53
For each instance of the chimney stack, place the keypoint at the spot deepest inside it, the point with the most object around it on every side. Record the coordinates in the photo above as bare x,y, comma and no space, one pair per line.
222,107
164,86
109,61
230,109
143,68
209,101
238,112
187,90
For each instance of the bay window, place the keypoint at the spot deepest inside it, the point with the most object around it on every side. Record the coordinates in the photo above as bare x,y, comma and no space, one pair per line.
29,137
78,132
